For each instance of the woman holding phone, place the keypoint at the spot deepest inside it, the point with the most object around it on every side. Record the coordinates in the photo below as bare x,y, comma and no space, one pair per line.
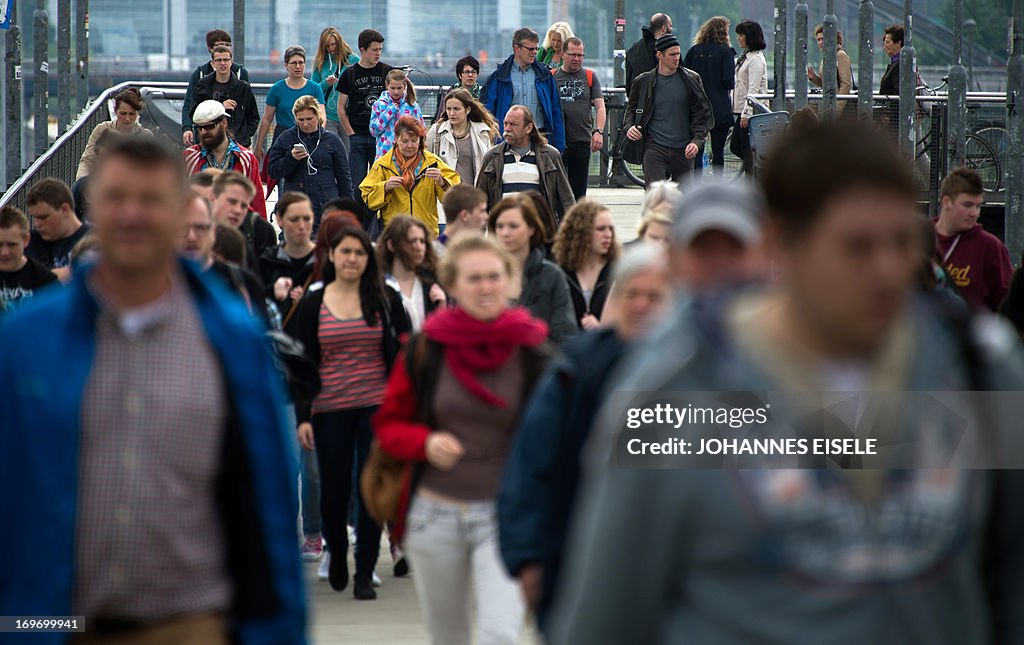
408,179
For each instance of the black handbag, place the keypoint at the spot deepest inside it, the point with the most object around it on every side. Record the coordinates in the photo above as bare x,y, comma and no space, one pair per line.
632,151
302,374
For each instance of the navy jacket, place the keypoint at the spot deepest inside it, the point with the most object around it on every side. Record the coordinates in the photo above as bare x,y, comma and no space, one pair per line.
497,96
332,178
543,469
716,64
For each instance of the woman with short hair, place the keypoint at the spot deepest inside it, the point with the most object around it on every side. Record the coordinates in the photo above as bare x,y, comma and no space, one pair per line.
282,97
751,79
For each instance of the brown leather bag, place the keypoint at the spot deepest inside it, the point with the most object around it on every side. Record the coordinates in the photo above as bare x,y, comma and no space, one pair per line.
382,481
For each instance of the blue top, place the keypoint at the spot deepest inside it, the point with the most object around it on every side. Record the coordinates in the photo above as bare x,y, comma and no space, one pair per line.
283,98
319,76
524,91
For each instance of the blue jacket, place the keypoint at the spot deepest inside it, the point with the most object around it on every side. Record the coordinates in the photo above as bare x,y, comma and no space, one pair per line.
497,96
332,178
44,375
543,469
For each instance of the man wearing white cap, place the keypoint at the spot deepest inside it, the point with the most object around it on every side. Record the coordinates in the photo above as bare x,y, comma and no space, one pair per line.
217,150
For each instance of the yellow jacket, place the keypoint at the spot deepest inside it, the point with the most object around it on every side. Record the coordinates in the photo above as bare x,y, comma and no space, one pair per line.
422,204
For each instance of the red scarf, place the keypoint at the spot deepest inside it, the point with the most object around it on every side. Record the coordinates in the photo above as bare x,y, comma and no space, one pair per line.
472,346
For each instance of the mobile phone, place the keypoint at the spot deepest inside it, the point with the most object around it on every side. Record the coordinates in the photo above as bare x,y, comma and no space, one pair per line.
298,146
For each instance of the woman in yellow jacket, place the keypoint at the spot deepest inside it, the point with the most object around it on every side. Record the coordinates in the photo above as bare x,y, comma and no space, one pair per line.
408,180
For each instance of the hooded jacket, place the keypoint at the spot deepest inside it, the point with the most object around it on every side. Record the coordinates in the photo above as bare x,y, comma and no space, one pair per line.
40,449
641,104
724,544
641,56
384,115
554,183
979,265
328,157
497,96
421,203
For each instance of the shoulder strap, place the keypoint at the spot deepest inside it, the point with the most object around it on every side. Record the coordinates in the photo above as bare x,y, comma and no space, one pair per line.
295,304
422,364
590,78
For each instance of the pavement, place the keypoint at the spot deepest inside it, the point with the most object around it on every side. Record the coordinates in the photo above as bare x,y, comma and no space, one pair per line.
394,618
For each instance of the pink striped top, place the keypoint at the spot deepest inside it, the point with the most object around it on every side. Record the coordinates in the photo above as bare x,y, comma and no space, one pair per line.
352,371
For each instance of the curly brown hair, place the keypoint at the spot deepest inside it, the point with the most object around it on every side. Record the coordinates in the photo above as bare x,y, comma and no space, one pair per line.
715,30
397,233
573,240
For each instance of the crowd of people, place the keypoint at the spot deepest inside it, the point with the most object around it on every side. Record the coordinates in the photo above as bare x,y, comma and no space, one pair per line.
201,382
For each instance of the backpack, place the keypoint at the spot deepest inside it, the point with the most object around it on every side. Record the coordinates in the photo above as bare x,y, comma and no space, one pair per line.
590,76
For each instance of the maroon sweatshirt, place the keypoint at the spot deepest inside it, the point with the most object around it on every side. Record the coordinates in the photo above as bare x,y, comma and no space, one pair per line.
979,265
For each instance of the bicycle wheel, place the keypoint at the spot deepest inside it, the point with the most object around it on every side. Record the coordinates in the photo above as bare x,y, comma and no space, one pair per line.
634,173
995,137
980,157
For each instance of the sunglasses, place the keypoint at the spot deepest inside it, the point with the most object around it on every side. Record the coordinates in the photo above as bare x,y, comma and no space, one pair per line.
210,126
529,49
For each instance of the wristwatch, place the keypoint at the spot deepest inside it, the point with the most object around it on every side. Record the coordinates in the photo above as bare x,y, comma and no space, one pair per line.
596,131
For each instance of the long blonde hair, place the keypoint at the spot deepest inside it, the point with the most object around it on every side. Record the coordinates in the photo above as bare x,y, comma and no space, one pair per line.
344,51
475,110
397,74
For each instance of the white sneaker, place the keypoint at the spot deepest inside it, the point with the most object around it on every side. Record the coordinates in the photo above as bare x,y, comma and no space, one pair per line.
325,566
376,580
352,535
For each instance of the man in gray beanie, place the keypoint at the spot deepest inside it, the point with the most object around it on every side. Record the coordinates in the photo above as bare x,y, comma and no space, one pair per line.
669,111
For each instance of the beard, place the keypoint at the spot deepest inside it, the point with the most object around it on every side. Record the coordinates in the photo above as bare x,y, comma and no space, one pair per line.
214,139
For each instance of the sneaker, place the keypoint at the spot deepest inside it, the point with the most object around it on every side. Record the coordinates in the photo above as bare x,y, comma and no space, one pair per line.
376,580
312,548
337,572
363,588
322,572
352,535
401,568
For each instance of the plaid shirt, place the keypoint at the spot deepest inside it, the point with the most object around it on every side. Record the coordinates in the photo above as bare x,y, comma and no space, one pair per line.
149,540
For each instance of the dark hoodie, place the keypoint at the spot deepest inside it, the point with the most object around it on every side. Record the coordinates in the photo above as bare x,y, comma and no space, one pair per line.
979,265
640,58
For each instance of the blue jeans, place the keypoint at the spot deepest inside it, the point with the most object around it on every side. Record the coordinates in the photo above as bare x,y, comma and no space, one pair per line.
309,482
362,149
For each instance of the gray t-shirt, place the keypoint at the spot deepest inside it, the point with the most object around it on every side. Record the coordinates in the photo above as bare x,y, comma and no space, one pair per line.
670,124
464,163
576,100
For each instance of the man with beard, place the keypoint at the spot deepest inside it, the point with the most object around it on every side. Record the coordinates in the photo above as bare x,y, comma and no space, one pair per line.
217,150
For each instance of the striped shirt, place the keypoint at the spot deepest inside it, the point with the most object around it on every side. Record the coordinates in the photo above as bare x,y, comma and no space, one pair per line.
520,174
352,371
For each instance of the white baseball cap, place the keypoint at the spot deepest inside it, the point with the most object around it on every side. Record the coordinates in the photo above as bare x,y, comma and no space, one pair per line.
208,112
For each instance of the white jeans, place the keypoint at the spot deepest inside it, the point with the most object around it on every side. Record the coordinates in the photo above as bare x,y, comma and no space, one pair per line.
448,545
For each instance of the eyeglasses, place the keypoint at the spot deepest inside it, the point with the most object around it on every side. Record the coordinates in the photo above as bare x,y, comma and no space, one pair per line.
210,126
532,50
221,61
470,71
573,55
297,62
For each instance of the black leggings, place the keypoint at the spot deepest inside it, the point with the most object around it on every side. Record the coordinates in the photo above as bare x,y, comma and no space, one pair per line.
342,446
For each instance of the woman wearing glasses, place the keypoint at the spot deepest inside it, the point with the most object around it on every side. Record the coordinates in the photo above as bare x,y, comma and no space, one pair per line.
283,95
468,71
311,159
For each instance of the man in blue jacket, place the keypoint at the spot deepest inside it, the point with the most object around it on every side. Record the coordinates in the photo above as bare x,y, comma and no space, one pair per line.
147,473
521,80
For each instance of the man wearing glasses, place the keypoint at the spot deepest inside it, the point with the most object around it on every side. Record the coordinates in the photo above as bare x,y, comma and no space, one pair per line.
578,92
235,94
521,80
217,150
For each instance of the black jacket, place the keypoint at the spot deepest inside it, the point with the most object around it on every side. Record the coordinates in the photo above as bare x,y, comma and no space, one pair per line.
244,120
597,299
716,65
332,178
890,83
307,331
641,104
200,72
640,58
274,264
546,294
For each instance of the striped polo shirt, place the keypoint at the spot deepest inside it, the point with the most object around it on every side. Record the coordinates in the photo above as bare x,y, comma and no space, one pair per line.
520,173
352,371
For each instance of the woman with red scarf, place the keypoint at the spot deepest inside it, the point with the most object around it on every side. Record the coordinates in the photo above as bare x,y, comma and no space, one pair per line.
451,408
408,179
